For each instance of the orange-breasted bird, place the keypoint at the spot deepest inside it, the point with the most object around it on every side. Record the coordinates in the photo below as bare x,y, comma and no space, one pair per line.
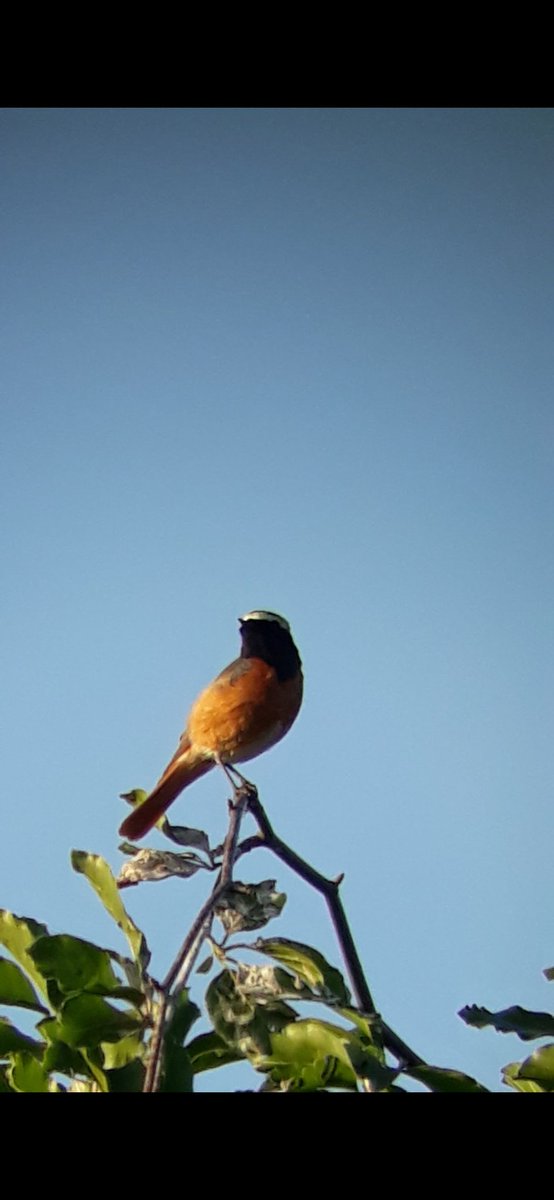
246,710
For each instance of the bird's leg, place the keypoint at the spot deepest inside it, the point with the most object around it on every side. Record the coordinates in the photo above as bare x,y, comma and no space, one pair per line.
244,781
230,771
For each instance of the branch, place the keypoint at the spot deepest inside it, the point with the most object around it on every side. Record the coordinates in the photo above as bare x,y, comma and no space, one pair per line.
245,798
179,972
329,888
236,813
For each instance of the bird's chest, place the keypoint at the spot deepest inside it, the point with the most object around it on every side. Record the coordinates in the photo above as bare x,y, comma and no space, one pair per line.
243,712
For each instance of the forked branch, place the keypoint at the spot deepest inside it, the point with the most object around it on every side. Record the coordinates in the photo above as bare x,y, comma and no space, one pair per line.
246,798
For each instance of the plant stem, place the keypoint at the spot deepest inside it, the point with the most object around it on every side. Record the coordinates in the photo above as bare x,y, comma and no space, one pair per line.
179,972
329,888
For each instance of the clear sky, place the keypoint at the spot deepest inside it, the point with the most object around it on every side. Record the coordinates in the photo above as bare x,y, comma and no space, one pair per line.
298,359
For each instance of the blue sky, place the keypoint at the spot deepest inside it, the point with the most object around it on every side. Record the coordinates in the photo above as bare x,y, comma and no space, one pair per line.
298,359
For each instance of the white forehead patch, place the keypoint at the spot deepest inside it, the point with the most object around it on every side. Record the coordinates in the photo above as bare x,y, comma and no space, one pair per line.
259,614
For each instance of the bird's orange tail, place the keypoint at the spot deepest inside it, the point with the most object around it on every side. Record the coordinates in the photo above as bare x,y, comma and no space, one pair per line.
181,771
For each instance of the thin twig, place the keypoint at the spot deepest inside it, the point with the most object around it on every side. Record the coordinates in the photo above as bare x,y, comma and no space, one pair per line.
329,888
237,809
153,1068
236,813
180,970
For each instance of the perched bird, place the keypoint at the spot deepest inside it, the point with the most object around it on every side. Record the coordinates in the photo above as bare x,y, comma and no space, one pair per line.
246,710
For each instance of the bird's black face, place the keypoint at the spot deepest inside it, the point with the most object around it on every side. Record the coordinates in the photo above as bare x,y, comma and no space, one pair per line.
267,636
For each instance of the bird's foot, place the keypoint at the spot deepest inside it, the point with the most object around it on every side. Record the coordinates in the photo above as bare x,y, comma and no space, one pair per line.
243,790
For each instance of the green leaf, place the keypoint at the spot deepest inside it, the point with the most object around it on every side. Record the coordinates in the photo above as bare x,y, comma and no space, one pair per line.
183,1015
72,965
249,905
12,1039
368,1060
86,1021
129,1078
85,1085
27,1074
177,1075
440,1079
138,983
18,934
309,965
373,1067
527,1025
135,797
94,1059
59,1056
15,987
99,875
61,1059
75,965
4,1085
510,1076
119,1054
208,1051
370,1028
524,1085
309,1055
538,1068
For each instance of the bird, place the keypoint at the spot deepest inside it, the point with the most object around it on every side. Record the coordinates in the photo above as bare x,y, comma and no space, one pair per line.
246,710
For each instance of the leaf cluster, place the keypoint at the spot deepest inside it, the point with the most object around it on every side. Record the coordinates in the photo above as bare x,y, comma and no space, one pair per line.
102,1018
